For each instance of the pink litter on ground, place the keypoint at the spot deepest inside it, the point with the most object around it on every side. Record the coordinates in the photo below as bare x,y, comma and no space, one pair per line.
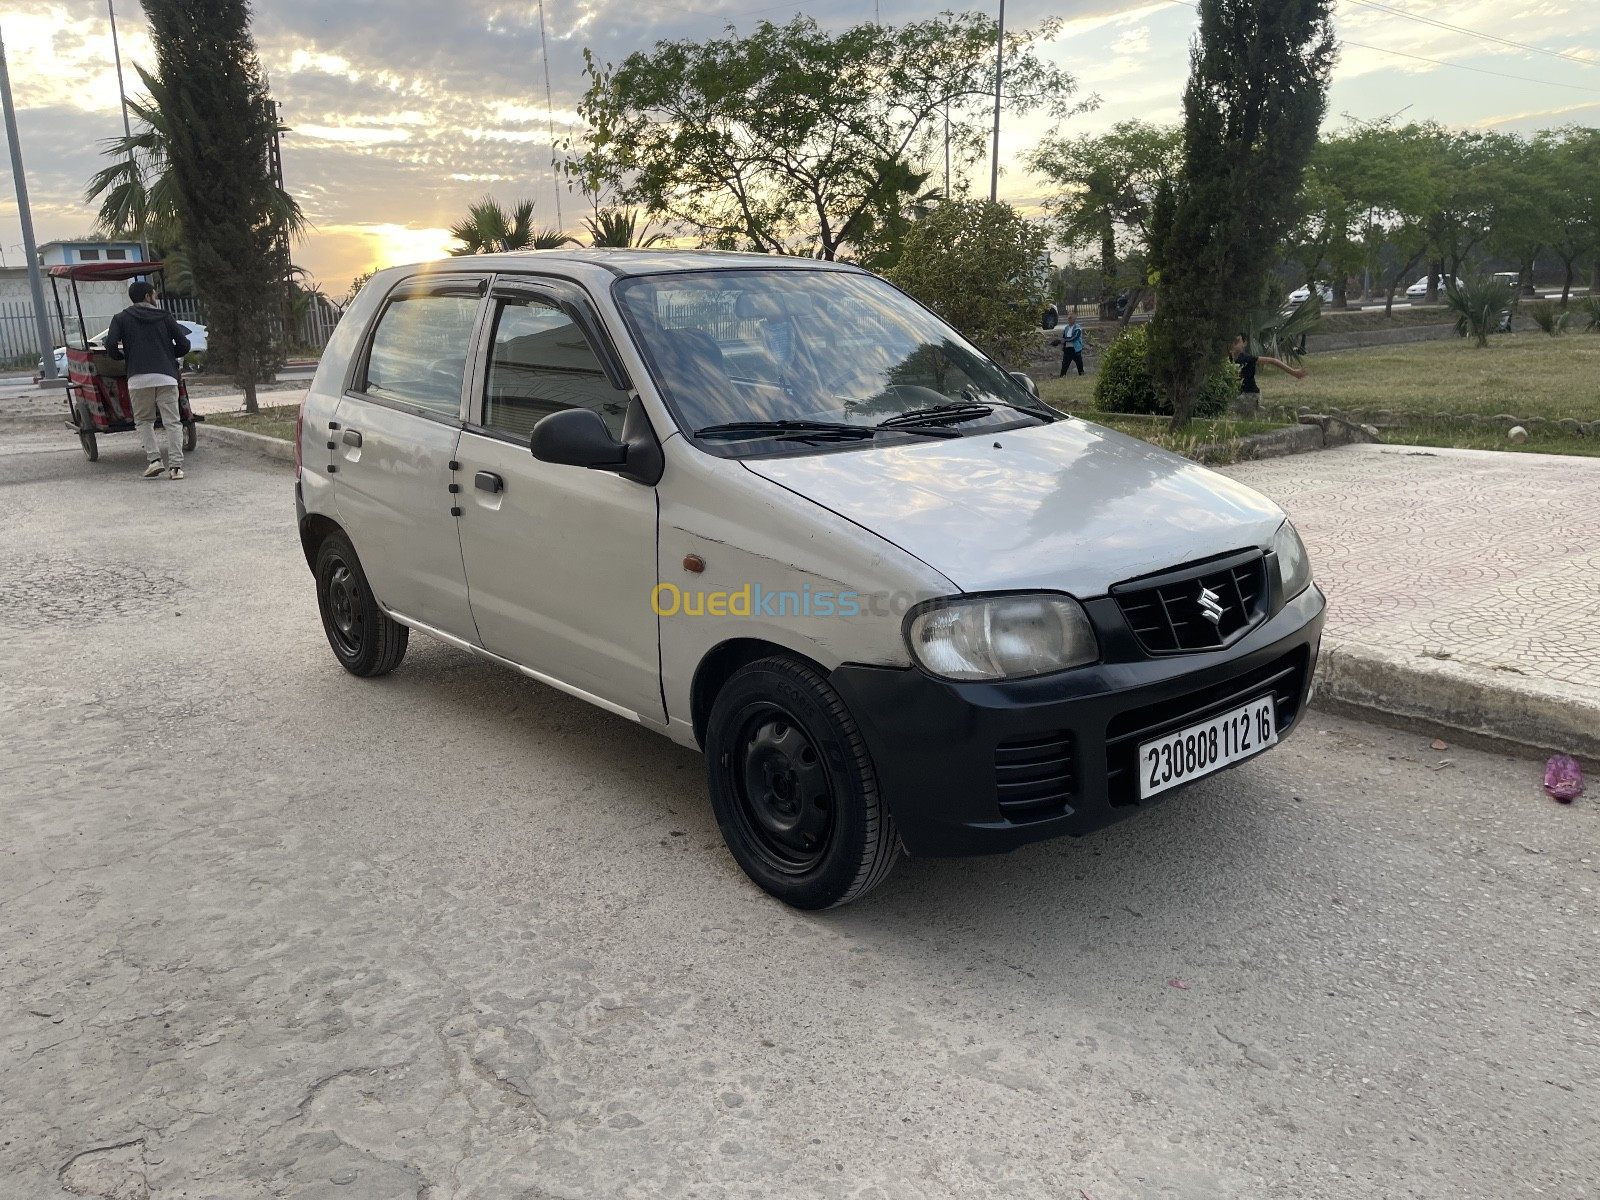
1563,778
1178,983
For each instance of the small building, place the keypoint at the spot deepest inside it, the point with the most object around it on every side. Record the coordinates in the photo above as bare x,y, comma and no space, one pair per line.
55,254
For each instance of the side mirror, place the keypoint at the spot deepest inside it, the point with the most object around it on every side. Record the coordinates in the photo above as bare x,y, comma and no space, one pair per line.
1026,381
577,437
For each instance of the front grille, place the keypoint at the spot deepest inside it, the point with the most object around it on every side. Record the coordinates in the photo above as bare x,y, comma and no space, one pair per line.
1284,678
1033,776
1166,612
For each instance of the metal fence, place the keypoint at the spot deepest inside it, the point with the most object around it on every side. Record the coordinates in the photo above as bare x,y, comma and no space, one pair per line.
19,338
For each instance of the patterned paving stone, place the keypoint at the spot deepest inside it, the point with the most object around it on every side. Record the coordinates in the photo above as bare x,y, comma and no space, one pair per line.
1491,560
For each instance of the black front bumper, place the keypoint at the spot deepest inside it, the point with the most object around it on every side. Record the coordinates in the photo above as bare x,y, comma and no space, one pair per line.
941,748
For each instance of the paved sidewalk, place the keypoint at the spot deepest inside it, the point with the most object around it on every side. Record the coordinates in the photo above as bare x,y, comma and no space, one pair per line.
1463,585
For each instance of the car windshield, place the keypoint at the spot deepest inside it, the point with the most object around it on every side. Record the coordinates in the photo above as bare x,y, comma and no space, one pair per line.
762,361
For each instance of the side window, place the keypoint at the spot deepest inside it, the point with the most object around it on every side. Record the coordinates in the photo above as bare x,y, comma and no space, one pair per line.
419,352
541,364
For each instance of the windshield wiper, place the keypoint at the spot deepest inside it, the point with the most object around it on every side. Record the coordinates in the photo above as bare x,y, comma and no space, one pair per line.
938,415
795,430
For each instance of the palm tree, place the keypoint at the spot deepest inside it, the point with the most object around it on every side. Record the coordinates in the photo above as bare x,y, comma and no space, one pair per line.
490,229
620,227
138,196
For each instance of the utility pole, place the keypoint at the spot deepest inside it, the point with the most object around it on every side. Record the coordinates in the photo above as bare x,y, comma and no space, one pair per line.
35,280
550,117
127,127
999,69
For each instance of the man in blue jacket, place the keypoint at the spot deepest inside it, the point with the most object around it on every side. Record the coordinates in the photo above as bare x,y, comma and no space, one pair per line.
1072,345
153,344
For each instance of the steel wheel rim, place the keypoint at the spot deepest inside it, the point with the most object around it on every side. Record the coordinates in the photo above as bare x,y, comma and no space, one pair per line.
783,795
345,620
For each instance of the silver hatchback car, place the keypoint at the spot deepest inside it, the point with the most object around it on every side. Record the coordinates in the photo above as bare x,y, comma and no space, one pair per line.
778,511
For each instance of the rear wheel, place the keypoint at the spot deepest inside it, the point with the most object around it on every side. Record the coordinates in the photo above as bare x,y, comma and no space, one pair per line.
365,639
86,438
794,789
189,436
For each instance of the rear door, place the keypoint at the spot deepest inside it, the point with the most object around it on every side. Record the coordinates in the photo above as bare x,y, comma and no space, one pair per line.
561,561
394,437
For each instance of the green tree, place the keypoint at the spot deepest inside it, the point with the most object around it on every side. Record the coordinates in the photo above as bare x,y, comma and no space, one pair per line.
219,121
620,227
137,192
1256,94
489,228
981,267
796,140
1574,163
1106,186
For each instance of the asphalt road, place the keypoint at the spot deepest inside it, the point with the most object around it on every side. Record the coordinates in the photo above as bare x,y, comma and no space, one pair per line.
269,930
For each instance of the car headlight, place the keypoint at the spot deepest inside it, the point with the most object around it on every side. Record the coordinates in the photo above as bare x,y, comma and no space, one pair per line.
1001,637
1294,564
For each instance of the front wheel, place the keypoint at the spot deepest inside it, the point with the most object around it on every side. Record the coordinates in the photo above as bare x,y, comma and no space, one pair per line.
793,787
190,437
365,639
91,446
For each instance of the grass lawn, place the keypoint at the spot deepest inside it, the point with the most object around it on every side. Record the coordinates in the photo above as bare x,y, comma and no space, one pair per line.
1540,441
273,421
1525,374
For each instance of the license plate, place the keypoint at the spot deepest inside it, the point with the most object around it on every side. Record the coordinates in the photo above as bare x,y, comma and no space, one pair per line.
1209,746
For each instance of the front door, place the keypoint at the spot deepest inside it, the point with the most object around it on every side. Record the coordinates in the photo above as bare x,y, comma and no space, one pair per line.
398,428
560,560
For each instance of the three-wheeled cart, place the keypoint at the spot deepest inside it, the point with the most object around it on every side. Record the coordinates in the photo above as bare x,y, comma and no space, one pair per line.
97,384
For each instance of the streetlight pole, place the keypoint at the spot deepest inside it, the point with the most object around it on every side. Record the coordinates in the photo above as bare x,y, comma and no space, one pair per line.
999,68
127,126
35,280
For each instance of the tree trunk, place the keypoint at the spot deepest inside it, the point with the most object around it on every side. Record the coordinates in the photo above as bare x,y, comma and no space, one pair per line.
1108,273
1133,302
1435,273
1341,293
1566,283
250,403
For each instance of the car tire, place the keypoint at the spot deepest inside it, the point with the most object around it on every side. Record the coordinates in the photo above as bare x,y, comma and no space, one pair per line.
794,789
365,639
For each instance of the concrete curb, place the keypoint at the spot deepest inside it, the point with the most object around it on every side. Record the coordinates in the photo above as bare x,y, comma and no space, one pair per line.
1477,701
267,447
1390,687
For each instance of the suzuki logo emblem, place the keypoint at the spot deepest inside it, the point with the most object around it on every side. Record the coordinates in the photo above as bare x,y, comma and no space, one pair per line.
1210,605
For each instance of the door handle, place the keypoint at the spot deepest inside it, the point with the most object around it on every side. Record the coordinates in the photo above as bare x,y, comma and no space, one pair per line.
488,481
352,437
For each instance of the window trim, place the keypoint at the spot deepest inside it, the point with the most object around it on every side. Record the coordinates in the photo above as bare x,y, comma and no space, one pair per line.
561,293
411,288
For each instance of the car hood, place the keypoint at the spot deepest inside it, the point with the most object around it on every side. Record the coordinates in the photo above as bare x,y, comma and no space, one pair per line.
1069,507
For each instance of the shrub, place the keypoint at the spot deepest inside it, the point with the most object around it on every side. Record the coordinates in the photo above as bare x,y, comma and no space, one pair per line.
1548,317
1478,304
1123,383
976,265
1588,310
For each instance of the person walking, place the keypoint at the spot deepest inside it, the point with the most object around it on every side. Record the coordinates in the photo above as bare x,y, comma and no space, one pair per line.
1072,345
1249,402
150,340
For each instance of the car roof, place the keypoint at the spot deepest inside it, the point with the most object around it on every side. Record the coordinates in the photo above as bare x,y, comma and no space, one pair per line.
624,264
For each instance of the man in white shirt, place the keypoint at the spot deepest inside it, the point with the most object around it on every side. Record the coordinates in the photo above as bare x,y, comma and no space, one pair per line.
153,344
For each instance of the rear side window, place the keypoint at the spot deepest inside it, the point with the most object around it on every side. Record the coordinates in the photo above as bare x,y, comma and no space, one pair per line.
419,352
542,363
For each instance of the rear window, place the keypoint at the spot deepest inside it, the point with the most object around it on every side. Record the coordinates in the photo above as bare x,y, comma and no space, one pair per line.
419,352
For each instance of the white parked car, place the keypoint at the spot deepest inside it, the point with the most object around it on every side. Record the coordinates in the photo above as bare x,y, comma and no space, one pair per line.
197,345
1420,288
779,512
1303,293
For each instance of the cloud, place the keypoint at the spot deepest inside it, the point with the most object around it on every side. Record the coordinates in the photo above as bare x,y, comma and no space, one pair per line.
405,111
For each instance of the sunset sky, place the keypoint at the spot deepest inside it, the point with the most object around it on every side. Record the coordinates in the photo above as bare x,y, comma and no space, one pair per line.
404,111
